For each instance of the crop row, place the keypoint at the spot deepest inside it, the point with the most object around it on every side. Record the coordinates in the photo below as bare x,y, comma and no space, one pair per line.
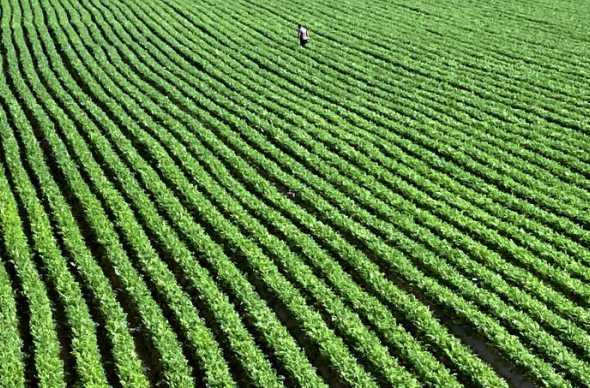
510,44
11,358
83,342
82,260
533,229
551,38
447,51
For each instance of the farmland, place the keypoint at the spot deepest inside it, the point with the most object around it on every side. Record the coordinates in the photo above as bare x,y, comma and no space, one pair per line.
189,198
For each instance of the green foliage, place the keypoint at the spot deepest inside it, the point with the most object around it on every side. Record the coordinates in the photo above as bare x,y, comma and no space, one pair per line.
202,202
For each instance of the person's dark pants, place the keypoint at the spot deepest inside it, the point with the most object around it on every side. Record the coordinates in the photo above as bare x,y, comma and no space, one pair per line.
303,42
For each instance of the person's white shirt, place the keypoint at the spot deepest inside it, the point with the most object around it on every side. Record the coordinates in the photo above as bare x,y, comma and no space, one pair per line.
303,34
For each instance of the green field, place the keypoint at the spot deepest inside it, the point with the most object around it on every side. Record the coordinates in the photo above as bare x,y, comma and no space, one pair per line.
189,198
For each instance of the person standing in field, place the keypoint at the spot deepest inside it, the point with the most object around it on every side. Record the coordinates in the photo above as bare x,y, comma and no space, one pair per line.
303,35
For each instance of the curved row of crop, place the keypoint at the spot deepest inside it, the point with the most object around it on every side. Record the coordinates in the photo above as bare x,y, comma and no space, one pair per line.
84,346
559,37
244,346
211,207
471,58
411,54
82,259
198,334
560,12
12,362
501,42
201,341
463,52
454,51
574,227
48,364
